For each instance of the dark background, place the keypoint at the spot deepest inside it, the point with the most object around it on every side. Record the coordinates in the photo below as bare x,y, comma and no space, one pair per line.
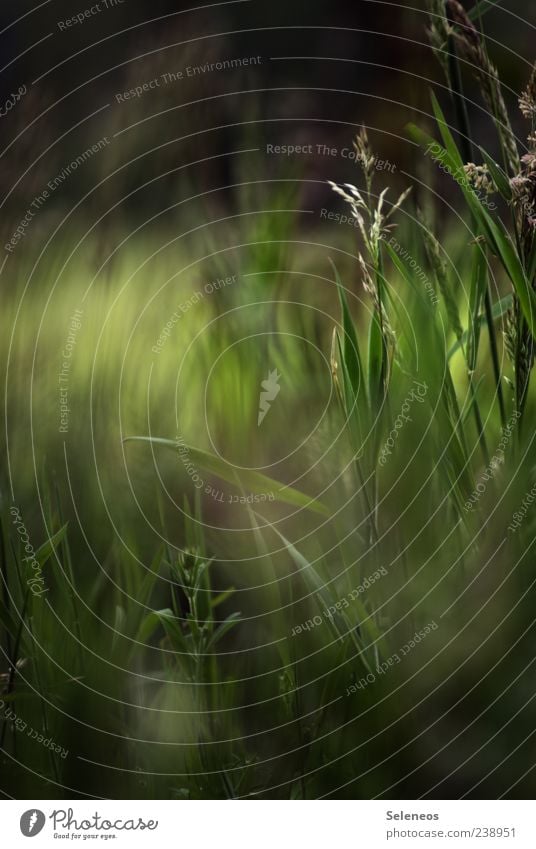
381,78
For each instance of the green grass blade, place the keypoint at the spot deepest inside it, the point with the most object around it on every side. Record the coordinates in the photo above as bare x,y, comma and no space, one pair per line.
45,551
375,364
339,624
498,176
499,309
477,292
498,238
167,619
351,408
253,481
222,629
350,344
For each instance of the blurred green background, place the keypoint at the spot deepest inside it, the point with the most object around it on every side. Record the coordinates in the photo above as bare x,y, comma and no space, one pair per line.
166,705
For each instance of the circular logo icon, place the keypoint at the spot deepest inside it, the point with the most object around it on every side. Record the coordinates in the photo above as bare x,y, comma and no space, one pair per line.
32,822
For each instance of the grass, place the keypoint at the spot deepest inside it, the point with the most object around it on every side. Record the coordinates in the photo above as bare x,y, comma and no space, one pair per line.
165,656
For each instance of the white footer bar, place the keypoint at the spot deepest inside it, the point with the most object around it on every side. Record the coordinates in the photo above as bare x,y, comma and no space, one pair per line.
269,824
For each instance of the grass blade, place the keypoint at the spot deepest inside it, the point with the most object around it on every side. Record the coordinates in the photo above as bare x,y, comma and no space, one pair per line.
253,481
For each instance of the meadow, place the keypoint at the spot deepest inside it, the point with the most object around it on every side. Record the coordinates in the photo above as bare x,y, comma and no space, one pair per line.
266,524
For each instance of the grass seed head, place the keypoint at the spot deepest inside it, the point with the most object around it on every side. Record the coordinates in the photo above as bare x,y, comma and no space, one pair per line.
472,47
527,101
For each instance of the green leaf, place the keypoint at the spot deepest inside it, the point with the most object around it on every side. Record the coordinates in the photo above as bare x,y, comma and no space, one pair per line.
350,345
120,622
222,629
252,481
446,135
499,308
498,176
474,398
45,551
423,301
340,626
498,238
168,621
267,575
477,291
531,265
146,589
375,363
351,408
6,619
221,597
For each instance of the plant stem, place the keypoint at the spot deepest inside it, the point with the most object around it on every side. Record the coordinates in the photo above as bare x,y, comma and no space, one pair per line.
467,148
